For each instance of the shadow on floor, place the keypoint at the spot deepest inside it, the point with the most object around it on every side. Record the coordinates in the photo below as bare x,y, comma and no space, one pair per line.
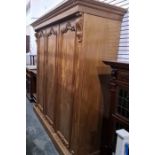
37,140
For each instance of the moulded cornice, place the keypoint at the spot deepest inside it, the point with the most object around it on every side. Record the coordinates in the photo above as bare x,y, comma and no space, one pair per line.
86,6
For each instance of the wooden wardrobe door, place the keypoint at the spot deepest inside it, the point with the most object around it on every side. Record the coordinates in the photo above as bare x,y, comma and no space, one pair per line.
65,93
52,47
40,70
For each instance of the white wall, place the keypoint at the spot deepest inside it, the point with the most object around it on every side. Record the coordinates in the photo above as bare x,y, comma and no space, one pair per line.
40,7
123,48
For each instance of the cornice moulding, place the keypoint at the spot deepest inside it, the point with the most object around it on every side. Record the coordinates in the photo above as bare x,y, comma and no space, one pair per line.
72,7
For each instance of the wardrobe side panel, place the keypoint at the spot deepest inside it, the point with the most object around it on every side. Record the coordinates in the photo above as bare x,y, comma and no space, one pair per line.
100,41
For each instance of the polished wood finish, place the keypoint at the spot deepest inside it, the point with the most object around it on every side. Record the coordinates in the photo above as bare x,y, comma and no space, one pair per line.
40,69
66,71
52,48
70,53
118,117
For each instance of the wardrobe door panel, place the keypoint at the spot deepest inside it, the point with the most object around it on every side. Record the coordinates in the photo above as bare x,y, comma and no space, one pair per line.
40,74
52,41
66,81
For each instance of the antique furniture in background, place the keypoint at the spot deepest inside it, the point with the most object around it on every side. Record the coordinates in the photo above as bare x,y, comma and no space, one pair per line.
118,106
27,43
72,41
31,75
33,59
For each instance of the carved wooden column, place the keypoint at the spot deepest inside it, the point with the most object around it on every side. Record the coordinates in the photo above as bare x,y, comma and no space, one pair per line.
40,36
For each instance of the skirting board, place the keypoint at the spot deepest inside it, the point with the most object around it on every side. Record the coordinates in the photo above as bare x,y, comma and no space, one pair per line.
53,135
55,138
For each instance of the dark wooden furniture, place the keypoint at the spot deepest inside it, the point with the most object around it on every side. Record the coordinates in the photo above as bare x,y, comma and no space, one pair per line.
72,41
27,43
118,117
31,75
34,84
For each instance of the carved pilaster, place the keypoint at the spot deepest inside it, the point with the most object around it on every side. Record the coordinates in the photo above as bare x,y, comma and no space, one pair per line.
79,29
51,32
36,35
41,34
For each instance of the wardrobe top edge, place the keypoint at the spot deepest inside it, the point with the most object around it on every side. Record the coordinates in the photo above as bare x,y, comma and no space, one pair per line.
85,6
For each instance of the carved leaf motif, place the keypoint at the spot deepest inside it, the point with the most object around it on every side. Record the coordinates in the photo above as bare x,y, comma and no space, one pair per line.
39,34
52,32
68,27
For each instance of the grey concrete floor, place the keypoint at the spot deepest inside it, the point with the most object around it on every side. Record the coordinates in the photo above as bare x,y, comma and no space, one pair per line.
37,140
